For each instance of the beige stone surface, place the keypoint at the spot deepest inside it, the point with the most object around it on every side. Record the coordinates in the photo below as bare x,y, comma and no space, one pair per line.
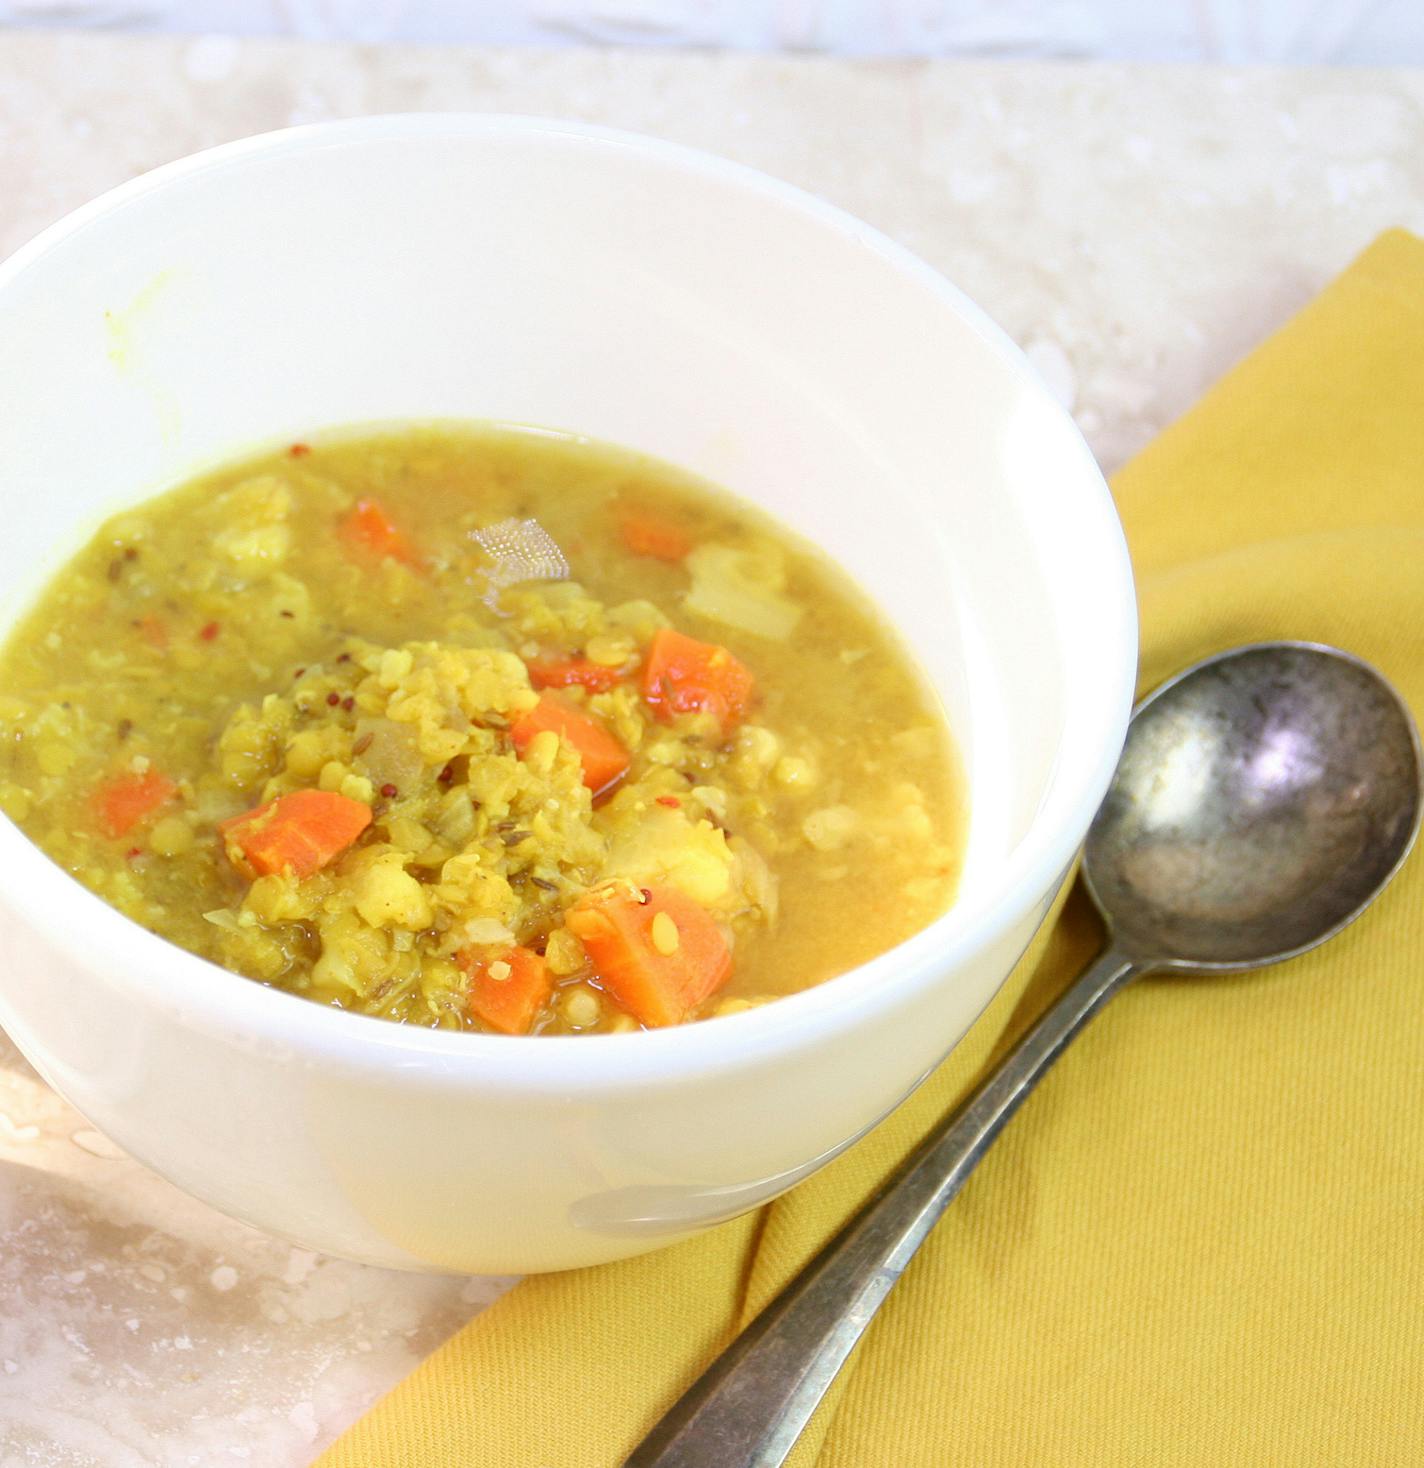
1136,229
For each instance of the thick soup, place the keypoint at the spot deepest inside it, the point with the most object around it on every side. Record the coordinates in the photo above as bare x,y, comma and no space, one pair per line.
481,729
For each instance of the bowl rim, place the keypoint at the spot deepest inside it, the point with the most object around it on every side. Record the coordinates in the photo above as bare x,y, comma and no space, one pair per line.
202,995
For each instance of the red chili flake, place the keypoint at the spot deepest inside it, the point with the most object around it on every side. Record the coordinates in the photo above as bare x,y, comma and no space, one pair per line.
647,896
285,613
297,672
299,450
348,703
333,698
669,800
209,632
133,851
344,657
446,775
389,791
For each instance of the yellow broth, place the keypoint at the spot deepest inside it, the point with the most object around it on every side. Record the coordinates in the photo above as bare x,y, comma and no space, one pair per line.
230,640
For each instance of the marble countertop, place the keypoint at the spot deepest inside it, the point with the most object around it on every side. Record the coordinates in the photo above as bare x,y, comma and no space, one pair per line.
1136,229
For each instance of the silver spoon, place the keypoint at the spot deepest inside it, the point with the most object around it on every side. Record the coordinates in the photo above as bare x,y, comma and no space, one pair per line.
1263,800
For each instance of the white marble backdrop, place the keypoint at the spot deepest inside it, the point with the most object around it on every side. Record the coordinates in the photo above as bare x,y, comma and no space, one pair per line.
1369,32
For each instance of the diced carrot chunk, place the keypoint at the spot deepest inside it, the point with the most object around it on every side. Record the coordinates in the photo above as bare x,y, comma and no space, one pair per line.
153,630
121,803
651,535
571,672
370,531
659,957
300,832
603,758
685,676
508,992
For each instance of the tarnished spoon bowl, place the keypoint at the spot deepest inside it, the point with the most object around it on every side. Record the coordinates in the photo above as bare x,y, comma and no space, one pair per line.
1263,799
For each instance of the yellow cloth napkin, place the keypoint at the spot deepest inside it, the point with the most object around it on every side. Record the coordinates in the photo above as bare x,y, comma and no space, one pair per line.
1201,1241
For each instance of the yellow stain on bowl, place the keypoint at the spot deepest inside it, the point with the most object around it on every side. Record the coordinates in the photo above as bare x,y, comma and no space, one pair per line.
124,333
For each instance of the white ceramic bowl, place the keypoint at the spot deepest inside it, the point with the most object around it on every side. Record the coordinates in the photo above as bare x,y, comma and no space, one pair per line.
555,274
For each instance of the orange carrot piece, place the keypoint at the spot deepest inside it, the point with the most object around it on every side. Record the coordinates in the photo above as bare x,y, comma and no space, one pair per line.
153,630
650,535
301,832
603,758
568,672
370,531
685,676
507,992
659,958
121,803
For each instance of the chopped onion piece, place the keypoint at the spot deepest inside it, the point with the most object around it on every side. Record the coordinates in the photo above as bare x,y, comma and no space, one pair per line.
488,930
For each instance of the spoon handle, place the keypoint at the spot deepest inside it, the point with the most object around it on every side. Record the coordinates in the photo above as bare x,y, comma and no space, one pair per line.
749,1407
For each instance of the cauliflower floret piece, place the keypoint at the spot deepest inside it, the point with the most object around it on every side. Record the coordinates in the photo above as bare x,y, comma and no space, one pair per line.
255,512
387,896
831,827
662,845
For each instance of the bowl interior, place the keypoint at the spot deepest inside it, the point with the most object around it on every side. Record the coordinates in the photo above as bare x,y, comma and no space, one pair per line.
549,275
